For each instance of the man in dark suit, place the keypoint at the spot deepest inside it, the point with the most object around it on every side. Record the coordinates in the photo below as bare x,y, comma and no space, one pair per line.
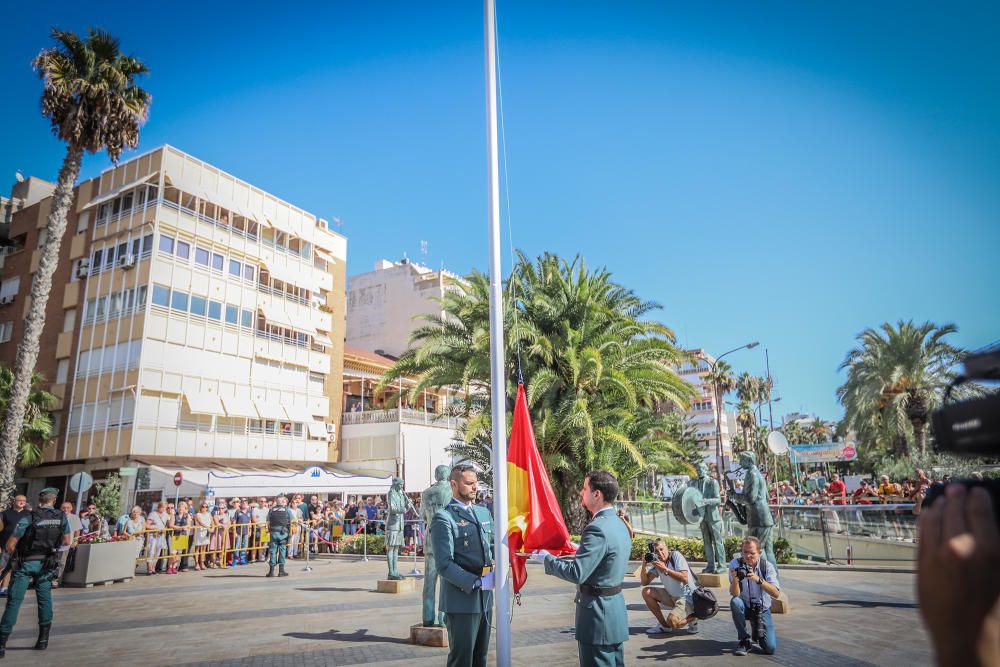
462,538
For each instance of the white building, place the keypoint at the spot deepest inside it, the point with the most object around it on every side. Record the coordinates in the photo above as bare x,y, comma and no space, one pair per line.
384,306
702,414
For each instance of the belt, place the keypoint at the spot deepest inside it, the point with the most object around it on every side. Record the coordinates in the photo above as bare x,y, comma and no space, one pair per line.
598,592
486,570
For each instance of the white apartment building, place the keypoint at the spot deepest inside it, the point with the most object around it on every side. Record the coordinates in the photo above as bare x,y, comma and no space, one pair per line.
201,324
702,414
384,306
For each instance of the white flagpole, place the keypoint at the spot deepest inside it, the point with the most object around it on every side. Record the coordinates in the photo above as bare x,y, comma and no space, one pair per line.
498,380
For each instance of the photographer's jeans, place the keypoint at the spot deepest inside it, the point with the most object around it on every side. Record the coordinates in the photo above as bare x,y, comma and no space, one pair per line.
768,638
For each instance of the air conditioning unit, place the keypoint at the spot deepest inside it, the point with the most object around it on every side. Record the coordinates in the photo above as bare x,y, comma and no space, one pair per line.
331,429
126,262
4,300
83,269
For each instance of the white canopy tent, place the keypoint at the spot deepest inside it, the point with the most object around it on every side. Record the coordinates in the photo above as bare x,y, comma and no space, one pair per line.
228,482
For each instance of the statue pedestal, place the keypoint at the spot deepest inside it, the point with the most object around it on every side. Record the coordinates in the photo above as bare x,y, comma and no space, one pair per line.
780,605
428,636
714,580
396,586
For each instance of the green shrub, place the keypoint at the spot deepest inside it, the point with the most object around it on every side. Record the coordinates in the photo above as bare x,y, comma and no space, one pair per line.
354,544
693,548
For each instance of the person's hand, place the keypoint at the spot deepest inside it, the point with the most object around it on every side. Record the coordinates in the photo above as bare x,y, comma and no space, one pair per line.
575,545
752,576
958,584
487,582
659,565
540,555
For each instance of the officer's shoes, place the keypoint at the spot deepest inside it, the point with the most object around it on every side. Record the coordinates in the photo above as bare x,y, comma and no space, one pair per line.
282,573
3,645
43,637
270,572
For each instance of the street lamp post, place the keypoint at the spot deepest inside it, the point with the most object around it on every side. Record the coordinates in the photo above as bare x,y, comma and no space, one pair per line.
718,405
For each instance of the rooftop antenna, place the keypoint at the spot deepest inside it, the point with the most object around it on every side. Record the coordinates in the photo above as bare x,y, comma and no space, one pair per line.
423,253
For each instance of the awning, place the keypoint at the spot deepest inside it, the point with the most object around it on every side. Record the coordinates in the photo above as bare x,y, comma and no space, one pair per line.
202,403
317,430
265,480
270,410
280,226
111,194
240,407
322,339
297,413
325,256
288,275
277,315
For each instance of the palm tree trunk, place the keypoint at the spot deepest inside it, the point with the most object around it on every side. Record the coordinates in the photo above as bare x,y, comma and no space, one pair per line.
920,436
573,511
27,349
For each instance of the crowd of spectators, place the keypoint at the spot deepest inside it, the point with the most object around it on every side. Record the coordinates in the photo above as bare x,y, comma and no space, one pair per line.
817,489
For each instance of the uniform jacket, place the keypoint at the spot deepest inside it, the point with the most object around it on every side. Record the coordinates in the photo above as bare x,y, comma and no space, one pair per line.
463,546
601,561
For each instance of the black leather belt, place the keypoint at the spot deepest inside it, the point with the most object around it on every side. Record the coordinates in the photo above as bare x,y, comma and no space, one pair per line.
598,592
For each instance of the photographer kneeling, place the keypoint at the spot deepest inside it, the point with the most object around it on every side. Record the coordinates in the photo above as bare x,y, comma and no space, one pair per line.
672,569
753,581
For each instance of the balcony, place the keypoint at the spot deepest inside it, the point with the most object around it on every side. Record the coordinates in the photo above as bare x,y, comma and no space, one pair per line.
404,416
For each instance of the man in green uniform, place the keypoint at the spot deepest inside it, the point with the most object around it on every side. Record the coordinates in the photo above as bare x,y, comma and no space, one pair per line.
279,524
34,558
599,570
462,539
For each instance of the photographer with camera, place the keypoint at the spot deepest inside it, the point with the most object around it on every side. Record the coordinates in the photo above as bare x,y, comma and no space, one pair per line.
753,581
671,568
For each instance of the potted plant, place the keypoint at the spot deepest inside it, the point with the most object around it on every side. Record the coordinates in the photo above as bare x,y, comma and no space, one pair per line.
100,559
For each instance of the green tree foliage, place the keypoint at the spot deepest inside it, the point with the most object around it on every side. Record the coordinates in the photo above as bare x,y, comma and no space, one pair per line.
109,496
37,427
896,375
594,369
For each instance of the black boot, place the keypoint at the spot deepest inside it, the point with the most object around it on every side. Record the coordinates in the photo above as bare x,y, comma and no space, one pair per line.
281,571
270,571
43,637
3,644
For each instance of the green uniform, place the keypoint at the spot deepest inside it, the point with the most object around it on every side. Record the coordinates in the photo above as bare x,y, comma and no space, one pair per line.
462,539
279,521
601,562
28,571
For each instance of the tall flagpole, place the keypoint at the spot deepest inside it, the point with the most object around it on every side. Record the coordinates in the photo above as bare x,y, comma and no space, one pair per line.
498,380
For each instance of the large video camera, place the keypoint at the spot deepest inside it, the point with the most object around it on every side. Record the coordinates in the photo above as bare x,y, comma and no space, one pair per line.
971,427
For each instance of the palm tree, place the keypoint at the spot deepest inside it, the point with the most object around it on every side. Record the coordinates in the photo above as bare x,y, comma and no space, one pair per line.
818,431
90,96
794,433
37,428
594,368
895,377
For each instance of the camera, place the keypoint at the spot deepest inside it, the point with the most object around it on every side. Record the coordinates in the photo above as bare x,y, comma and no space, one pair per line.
742,570
650,553
753,613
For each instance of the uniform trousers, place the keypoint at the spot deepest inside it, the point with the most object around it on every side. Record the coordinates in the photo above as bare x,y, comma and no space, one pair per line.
468,638
31,570
601,655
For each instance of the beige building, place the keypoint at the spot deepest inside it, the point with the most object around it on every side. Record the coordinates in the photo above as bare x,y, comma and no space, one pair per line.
702,413
384,306
195,321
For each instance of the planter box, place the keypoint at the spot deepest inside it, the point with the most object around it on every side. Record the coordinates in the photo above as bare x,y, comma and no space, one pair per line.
102,563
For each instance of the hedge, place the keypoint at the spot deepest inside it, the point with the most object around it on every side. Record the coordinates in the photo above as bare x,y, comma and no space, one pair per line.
354,544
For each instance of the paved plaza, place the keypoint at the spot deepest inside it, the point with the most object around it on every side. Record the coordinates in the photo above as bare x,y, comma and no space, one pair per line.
332,616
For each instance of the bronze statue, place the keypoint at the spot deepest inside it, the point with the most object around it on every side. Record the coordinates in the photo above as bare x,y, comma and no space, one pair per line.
434,497
396,508
754,498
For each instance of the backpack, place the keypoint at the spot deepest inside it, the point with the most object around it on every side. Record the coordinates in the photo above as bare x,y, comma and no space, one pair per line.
702,599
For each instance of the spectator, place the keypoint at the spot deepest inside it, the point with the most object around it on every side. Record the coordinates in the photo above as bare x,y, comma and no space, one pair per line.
836,491
887,491
204,524
9,519
157,524
93,522
220,535
180,539
674,573
751,599
241,533
351,517
627,520
258,514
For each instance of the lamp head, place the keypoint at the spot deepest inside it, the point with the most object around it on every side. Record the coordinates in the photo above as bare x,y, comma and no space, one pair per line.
752,345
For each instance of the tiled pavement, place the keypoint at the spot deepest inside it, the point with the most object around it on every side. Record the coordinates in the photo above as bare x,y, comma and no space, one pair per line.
331,616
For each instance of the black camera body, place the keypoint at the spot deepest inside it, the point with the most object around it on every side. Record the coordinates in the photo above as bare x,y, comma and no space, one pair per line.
650,555
971,427
742,570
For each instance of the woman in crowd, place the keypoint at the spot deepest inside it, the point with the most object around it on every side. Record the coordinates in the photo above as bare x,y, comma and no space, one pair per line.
336,524
220,535
203,527
157,524
133,527
182,534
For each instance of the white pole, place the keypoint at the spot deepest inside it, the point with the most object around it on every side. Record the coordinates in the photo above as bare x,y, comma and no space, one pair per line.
498,380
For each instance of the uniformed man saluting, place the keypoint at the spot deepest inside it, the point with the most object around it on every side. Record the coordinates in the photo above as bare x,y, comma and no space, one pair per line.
598,570
34,558
279,523
462,537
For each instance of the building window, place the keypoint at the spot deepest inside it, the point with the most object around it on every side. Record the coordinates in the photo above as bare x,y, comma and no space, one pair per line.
218,261
235,268
81,222
247,319
179,301
232,314
183,249
215,310
69,319
6,331
197,305
96,262
248,271
147,244
201,256
62,371
166,244
297,430
270,427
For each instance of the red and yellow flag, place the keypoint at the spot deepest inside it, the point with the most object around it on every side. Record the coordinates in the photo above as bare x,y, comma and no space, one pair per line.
535,520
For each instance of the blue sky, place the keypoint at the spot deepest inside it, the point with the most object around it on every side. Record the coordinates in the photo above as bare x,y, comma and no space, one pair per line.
784,172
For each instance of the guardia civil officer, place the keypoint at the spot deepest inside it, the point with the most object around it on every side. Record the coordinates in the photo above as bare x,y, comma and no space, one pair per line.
279,525
599,570
462,538
34,558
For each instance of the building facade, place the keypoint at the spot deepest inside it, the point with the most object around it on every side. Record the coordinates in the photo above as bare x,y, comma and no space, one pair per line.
194,320
702,412
384,306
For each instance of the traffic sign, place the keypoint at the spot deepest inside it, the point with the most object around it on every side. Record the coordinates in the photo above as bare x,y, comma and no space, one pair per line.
80,482
178,479
849,453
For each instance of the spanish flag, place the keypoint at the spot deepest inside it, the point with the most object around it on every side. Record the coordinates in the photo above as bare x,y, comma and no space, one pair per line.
536,522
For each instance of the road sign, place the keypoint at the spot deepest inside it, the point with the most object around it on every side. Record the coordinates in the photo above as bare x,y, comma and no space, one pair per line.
80,482
128,472
178,479
849,453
